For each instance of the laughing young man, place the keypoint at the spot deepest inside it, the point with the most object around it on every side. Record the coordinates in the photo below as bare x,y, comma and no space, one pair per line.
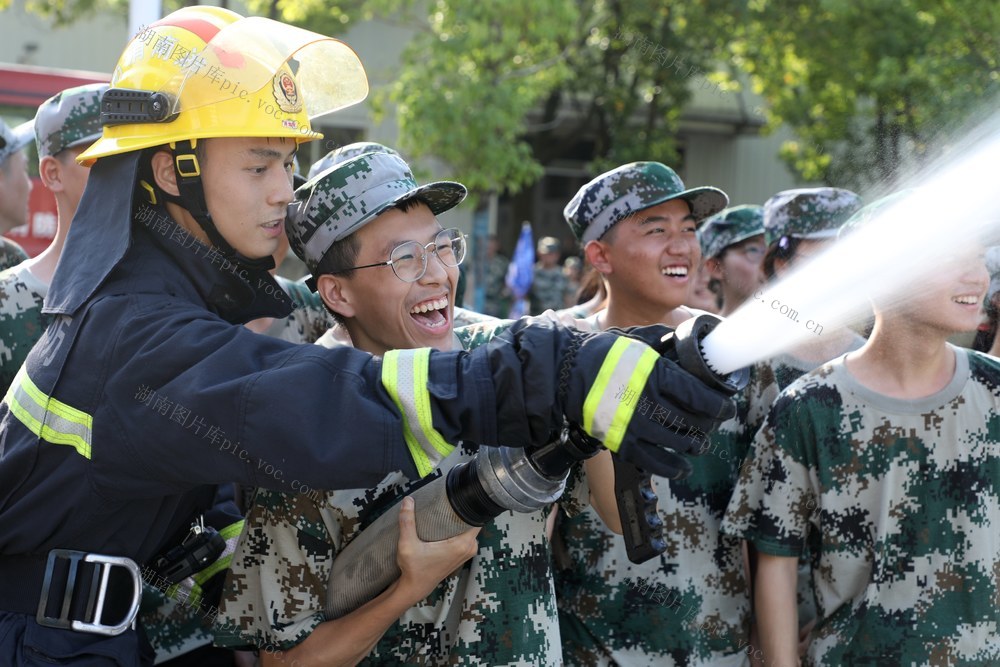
688,606
387,270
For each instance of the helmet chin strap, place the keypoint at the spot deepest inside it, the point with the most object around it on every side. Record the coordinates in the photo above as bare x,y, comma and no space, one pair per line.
192,197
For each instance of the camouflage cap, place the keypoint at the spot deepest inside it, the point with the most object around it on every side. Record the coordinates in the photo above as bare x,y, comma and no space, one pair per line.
69,118
548,244
344,153
617,194
349,195
729,227
13,139
808,213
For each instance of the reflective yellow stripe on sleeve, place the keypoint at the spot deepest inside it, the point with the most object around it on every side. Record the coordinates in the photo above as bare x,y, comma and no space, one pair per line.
48,418
404,376
612,399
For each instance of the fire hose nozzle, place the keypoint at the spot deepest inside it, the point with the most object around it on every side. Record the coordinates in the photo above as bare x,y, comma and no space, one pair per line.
689,337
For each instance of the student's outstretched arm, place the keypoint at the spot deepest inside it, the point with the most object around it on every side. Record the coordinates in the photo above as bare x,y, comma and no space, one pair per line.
347,640
776,611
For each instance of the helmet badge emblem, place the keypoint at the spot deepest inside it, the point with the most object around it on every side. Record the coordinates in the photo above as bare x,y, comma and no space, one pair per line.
286,94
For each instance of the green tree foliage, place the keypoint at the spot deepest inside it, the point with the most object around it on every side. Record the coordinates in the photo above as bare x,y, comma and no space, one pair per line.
868,85
497,90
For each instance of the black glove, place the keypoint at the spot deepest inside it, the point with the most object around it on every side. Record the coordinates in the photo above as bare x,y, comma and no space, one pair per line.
544,373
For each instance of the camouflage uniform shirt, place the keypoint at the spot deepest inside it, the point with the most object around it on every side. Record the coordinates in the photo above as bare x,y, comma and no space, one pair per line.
21,320
548,289
308,321
688,606
498,609
497,301
903,498
11,254
786,369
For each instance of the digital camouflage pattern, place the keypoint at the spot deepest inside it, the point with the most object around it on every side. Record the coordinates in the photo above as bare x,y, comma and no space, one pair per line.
498,609
628,189
605,612
345,153
309,320
11,254
786,369
463,317
172,628
13,139
21,320
730,227
549,288
69,118
338,202
808,213
903,498
497,301
689,606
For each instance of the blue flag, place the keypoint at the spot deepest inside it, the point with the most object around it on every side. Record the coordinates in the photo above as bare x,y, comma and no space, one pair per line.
521,271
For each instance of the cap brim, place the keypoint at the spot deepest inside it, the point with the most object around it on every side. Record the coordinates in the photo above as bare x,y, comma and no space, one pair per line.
822,235
24,134
440,197
704,202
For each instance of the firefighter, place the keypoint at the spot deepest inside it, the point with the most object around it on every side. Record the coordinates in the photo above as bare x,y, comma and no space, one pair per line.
144,392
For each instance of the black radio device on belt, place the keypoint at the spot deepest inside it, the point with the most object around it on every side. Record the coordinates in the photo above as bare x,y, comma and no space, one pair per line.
202,547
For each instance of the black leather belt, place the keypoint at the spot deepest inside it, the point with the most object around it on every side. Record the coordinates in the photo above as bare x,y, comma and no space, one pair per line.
74,590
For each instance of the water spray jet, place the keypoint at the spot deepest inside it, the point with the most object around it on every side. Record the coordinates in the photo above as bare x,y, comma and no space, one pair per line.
941,212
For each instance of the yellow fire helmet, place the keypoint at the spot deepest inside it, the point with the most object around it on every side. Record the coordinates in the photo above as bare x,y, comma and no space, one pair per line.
205,72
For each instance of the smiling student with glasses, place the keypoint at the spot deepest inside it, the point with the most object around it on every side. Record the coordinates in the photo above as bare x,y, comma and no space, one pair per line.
350,217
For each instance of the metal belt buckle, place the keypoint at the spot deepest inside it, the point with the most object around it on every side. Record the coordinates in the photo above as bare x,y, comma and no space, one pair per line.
94,607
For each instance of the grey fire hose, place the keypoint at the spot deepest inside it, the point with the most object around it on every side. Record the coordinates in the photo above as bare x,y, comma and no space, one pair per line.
470,495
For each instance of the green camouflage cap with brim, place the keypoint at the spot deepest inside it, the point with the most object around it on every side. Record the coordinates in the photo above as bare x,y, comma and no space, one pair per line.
344,198
730,227
13,139
345,153
616,195
68,119
548,244
808,213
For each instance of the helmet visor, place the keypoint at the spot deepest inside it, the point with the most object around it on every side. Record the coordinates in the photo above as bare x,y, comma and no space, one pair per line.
256,59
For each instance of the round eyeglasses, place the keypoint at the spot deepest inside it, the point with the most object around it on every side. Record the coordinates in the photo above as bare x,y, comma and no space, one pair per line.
409,260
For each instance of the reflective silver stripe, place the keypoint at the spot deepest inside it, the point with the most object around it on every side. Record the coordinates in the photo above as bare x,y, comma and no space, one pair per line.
405,374
48,418
612,399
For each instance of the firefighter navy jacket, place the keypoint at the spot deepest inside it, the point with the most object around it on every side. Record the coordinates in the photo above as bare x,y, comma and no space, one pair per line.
148,393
